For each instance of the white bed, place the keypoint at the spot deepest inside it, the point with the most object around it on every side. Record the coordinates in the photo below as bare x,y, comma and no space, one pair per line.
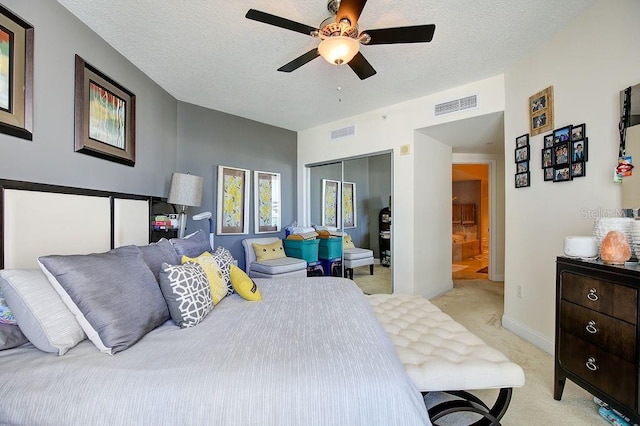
311,352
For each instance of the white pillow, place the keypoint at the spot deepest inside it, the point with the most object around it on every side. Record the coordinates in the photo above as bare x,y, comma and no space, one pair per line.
40,312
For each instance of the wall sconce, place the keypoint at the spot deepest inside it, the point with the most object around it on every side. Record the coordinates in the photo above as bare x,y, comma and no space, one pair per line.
186,191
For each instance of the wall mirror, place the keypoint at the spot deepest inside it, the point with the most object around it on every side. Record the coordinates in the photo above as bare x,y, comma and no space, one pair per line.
631,122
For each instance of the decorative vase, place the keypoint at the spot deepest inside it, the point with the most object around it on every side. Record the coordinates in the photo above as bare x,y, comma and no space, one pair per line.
615,248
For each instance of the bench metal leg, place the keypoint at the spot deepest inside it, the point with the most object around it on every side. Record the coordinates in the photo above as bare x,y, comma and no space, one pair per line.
470,403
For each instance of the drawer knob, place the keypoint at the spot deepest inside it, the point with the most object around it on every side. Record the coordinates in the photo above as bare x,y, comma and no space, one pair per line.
592,295
591,327
591,364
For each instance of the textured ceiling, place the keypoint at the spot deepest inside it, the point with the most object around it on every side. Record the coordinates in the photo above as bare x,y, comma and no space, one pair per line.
206,52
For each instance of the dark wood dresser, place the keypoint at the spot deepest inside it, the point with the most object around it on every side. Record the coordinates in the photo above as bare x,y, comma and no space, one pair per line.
597,331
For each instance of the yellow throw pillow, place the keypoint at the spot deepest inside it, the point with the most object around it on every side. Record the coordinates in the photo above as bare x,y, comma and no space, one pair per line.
269,251
216,280
243,285
347,242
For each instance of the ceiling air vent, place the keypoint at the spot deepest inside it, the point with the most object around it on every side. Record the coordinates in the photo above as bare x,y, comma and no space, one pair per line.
343,133
456,105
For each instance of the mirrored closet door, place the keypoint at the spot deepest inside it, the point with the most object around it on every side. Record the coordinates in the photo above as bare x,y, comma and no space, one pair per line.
353,197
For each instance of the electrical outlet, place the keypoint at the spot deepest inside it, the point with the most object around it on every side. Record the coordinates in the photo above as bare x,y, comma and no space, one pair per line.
519,291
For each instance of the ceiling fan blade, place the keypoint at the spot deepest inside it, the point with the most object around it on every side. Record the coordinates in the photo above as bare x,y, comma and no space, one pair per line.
278,21
414,34
361,66
351,10
300,61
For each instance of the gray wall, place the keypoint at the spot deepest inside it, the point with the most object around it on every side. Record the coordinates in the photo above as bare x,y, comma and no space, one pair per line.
50,157
170,135
208,138
379,192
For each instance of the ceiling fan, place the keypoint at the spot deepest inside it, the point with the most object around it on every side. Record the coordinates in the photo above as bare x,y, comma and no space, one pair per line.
341,38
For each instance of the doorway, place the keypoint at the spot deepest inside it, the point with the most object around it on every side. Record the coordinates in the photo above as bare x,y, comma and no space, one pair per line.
369,183
470,207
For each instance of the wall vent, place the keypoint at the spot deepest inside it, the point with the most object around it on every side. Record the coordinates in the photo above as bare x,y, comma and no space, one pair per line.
456,105
343,133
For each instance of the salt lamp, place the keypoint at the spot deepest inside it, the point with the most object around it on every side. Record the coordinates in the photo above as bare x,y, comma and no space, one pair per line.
615,248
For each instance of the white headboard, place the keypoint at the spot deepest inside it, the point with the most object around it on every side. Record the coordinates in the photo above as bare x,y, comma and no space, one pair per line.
38,219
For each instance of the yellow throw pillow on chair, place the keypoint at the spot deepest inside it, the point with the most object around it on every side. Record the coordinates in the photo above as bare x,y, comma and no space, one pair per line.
348,242
269,251
243,285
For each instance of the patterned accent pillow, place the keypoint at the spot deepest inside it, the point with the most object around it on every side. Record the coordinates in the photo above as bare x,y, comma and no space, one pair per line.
6,316
216,280
224,259
348,242
186,290
244,285
11,336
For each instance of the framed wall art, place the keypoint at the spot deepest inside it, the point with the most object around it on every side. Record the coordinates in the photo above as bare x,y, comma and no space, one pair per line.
548,140
349,212
233,201
522,154
16,75
523,180
267,202
105,116
330,197
541,111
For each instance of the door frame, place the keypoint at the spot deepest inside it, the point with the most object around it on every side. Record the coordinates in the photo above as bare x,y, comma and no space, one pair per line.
493,206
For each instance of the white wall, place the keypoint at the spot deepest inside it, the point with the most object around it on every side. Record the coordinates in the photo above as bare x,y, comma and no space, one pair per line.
588,63
388,129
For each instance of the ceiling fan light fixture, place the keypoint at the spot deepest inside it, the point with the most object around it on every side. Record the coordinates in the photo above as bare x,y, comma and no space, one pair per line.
338,49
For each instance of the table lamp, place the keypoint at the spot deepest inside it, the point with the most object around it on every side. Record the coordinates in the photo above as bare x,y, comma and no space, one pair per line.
186,191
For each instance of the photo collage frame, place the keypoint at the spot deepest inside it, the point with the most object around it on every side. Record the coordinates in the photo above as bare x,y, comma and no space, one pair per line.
565,153
522,156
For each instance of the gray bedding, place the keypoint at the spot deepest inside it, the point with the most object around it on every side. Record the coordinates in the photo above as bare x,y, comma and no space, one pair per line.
310,353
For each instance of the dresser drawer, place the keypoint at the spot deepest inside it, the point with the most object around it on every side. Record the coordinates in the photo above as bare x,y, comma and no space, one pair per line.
613,335
609,373
611,299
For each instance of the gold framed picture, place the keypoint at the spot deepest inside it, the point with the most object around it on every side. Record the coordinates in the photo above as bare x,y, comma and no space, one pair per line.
541,111
16,75
105,116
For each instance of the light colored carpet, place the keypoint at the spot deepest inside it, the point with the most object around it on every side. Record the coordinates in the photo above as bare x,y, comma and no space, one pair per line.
478,305
378,283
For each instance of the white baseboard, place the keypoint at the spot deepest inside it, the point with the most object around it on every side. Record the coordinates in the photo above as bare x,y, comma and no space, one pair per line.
529,335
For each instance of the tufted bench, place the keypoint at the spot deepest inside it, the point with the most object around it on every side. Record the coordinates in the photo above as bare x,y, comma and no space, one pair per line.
440,354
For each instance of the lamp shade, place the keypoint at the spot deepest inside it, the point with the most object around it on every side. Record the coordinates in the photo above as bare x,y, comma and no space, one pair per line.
338,49
186,190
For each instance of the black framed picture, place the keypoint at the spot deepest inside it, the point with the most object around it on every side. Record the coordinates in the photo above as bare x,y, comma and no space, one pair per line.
578,169
522,180
522,166
548,173
563,134
522,154
578,132
522,141
548,140
547,157
579,150
561,154
562,174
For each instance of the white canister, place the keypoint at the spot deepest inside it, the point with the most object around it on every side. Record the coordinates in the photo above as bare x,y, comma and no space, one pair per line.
580,246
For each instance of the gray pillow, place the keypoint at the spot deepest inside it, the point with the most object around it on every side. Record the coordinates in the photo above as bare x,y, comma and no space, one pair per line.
43,316
11,336
186,290
155,254
113,295
193,245
224,259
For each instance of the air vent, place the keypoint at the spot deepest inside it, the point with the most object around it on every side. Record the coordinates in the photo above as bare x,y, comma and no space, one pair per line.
457,105
343,133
